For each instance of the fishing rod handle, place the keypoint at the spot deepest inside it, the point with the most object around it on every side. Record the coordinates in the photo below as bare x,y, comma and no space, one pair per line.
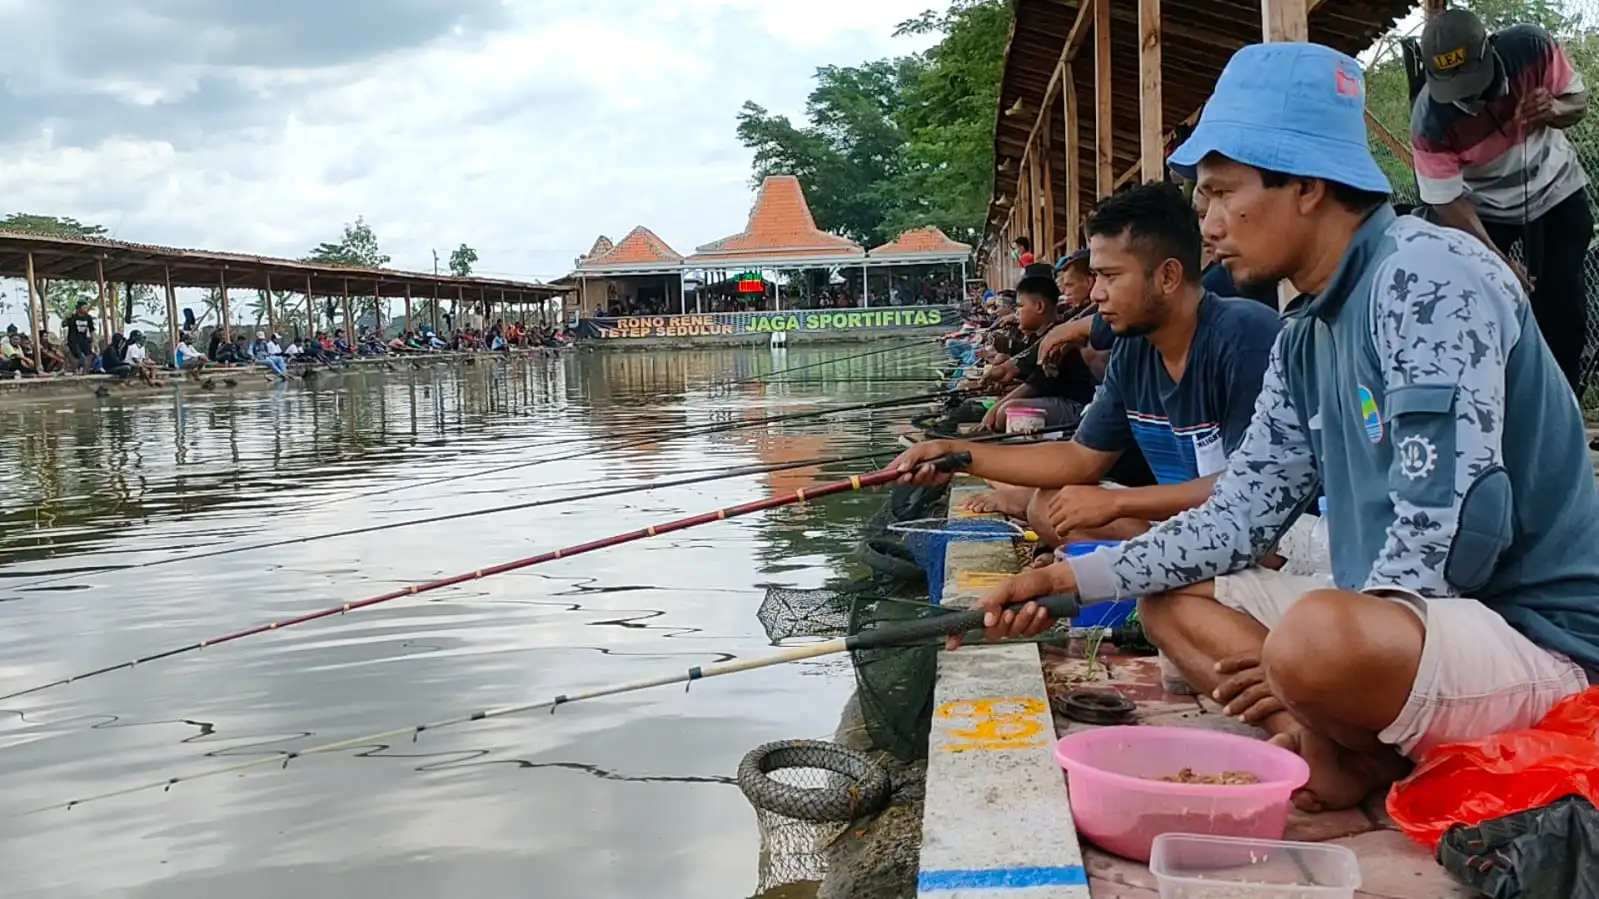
926,629
952,462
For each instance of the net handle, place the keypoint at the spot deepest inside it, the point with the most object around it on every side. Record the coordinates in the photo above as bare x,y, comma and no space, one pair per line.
923,630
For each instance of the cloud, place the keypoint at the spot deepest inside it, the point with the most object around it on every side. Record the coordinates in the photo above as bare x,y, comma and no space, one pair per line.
522,127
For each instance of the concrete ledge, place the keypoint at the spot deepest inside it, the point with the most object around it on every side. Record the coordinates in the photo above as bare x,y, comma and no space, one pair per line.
997,822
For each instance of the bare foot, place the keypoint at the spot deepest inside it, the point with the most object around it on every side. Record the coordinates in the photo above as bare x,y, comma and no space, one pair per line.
1339,777
1010,501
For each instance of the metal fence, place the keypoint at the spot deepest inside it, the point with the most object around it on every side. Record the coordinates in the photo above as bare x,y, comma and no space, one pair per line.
1576,24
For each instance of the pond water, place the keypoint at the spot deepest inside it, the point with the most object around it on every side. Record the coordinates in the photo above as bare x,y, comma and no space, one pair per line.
112,503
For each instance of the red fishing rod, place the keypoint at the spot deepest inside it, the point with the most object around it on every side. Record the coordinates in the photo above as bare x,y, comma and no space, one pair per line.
950,462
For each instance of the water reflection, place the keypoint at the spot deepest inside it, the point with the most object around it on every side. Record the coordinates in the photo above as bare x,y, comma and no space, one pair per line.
627,796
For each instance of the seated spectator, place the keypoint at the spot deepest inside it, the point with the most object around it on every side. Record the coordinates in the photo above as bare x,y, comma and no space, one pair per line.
1181,384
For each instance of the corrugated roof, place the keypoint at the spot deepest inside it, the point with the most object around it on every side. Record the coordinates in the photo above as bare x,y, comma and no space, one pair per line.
780,227
84,258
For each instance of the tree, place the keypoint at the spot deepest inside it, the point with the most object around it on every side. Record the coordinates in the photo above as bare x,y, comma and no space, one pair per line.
462,260
357,247
897,143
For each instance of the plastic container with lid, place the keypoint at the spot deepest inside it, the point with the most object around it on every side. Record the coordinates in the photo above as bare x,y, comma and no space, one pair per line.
1187,866
1024,419
1120,806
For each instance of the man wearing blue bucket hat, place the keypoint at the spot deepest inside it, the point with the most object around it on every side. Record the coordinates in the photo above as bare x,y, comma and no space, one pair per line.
1415,385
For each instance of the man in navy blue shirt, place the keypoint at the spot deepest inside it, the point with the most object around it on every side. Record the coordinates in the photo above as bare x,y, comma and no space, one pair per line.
1181,384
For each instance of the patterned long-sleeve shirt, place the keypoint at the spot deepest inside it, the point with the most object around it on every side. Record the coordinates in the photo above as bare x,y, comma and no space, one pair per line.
1451,452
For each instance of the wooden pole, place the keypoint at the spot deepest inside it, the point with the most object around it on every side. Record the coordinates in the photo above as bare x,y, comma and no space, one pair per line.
436,304
272,315
1104,122
36,314
172,314
377,309
1074,164
227,314
1284,20
310,310
1046,151
349,332
409,324
1151,142
105,321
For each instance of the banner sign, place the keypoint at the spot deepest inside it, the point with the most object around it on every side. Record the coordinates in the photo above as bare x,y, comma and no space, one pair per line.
887,318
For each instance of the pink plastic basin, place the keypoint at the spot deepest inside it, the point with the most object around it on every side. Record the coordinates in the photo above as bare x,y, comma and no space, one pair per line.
1120,811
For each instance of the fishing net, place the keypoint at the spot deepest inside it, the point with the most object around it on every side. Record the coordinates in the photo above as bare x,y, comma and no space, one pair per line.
894,685
806,793
928,538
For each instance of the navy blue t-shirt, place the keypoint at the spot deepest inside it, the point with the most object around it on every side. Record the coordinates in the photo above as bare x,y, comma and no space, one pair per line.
1219,281
1186,429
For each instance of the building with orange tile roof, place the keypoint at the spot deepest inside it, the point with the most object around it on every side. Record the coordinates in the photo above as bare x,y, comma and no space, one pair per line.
781,234
922,246
641,269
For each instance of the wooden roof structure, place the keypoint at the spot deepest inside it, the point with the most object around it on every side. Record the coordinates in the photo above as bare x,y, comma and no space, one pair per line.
781,233
1065,136
119,262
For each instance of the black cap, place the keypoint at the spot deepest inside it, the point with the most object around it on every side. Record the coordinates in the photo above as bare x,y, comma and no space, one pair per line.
1457,56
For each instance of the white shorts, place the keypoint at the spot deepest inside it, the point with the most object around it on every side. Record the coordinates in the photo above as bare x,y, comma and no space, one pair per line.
1479,676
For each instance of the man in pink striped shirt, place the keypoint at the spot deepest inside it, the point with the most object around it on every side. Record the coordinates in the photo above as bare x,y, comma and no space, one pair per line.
1492,160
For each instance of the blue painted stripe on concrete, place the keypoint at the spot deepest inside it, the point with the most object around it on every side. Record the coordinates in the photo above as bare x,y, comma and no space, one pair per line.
1002,878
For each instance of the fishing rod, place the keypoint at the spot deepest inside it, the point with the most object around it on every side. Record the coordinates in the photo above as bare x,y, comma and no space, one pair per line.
888,635
692,431
949,462
878,352
721,474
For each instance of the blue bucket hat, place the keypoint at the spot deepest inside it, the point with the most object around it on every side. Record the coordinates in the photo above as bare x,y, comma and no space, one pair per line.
1064,261
1293,108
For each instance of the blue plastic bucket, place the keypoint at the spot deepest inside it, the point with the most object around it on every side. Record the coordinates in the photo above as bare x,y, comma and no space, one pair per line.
928,546
1100,614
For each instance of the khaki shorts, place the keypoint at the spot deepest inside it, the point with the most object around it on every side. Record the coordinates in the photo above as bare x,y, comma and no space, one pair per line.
1479,676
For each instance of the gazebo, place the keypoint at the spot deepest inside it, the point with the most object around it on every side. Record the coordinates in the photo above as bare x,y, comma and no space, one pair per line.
641,274
781,236
919,257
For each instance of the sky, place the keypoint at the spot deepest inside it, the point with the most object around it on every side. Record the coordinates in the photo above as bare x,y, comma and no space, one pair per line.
525,128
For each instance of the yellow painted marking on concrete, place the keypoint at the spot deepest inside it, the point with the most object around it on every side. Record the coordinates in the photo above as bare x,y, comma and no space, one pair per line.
855,482
994,723
979,580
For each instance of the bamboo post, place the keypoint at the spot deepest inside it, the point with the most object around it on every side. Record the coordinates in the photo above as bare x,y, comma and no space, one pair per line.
227,314
1152,145
105,322
37,314
1104,121
272,316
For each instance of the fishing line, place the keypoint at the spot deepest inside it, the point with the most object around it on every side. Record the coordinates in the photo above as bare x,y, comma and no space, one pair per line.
878,352
949,462
689,431
722,474
889,635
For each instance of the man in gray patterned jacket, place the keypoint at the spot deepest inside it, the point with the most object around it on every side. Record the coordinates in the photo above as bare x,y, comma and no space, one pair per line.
1415,386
